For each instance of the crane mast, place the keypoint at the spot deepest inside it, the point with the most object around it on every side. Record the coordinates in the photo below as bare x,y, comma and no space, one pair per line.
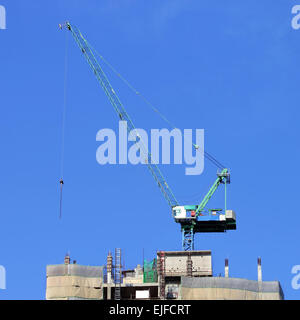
192,218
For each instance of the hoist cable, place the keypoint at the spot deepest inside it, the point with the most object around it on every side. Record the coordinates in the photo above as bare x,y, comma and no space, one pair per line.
63,129
64,109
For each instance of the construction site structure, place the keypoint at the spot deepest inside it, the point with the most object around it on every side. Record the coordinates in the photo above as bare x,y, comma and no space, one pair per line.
172,275
118,274
162,273
177,264
74,282
109,272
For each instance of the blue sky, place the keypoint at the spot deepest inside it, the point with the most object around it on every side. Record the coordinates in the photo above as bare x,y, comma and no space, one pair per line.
229,68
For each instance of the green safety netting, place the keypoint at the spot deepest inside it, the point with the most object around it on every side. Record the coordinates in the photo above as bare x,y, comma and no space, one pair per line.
150,271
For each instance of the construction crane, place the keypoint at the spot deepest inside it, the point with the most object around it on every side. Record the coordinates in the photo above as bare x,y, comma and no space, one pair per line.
192,218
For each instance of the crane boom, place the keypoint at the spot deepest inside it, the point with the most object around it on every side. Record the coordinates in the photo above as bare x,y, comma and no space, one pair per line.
223,177
119,108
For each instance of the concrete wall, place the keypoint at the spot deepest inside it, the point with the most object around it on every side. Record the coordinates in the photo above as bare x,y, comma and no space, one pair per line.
133,280
69,282
176,263
229,289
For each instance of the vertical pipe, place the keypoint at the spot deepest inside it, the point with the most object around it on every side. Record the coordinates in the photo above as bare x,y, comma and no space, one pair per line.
67,259
109,272
192,238
143,259
259,270
226,269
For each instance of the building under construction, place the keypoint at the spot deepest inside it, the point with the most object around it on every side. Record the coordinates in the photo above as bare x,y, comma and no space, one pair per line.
177,275
172,275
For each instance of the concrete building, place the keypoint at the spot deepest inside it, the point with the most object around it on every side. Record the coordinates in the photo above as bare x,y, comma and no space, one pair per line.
74,282
188,275
174,275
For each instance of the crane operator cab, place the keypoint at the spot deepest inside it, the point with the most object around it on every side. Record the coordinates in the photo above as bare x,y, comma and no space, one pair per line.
213,220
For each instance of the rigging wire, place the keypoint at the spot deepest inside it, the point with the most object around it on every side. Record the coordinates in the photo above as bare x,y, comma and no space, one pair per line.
131,87
61,181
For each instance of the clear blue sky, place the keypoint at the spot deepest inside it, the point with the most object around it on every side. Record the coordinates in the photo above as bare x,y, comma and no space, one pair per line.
229,67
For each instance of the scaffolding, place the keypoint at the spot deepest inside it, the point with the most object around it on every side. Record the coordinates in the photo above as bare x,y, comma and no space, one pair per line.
162,274
118,274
